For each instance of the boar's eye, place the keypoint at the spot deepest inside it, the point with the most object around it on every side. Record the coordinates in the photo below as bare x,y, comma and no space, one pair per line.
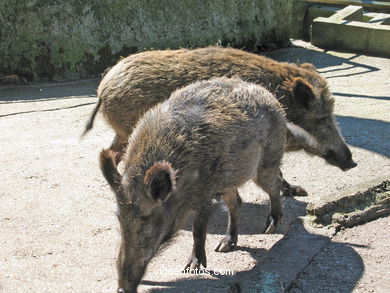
143,218
329,154
321,121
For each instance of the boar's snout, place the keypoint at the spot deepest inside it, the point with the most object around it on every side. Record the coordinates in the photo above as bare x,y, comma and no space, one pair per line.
352,165
342,158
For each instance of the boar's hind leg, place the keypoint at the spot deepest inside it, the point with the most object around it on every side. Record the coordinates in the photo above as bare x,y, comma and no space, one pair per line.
233,201
199,230
118,145
292,190
270,181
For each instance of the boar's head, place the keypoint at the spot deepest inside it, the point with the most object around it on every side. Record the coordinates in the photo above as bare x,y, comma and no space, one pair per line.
144,214
311,108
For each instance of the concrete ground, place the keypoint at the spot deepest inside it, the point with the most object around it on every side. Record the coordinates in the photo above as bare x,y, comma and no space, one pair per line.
59,233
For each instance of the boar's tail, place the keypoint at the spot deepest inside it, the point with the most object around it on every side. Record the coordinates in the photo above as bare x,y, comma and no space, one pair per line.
304,139
110,172
89,125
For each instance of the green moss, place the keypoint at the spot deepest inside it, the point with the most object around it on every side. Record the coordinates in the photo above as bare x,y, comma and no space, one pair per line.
73,39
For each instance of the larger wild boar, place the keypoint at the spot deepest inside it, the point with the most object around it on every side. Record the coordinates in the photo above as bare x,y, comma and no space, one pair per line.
206,139
142,80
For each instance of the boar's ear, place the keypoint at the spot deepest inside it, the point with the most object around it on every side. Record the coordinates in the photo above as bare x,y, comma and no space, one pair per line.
160,181
308,66
302,91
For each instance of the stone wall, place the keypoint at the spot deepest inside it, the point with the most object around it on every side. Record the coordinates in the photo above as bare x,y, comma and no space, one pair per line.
51,40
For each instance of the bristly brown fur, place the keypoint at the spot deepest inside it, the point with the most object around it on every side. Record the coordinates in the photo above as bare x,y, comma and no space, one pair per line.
140,81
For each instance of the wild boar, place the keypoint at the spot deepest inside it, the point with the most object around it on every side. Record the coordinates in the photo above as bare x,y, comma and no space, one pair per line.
208,138
142,80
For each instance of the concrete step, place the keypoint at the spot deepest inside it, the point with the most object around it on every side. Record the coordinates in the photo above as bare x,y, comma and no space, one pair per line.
346,30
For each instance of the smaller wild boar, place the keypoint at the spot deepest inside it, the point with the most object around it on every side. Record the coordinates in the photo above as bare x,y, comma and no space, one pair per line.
206,139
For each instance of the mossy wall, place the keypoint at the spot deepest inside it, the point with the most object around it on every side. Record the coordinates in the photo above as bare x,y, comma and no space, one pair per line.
42,39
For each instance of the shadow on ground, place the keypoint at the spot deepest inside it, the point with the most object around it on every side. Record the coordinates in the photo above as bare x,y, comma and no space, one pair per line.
46,92
321,60
298,249
47,110
366,133
253,217
361,96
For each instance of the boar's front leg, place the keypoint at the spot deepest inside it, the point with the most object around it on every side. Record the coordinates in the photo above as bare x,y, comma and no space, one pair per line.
199,231
292,190
233,202
270,181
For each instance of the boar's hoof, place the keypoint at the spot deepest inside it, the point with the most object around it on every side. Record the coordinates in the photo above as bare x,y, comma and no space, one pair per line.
226,244
192,265
121,290
271,225
195,262
294,190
